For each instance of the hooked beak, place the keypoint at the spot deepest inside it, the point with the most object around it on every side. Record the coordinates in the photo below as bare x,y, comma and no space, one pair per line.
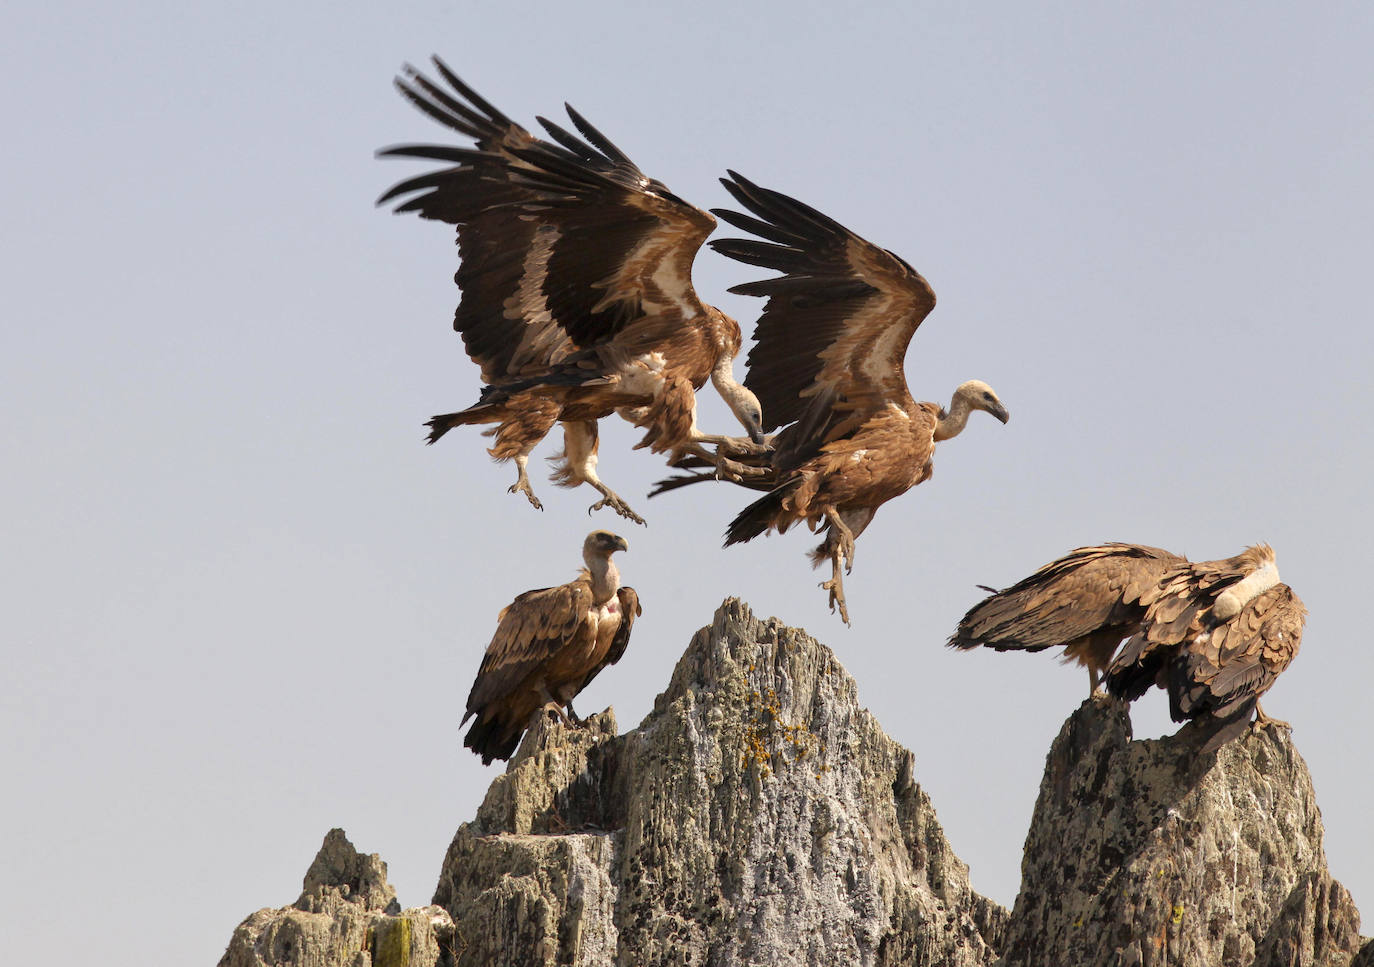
1000,413
621,544
755,432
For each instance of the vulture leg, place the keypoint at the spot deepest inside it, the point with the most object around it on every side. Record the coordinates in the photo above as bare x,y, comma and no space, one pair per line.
553,705
526,420
841,538
1094,681
836,586
579,466
522,483
1264,721
576,719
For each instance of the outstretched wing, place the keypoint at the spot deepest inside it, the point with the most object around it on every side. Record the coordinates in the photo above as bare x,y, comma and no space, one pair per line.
1089,591
835,329
563,243
531,631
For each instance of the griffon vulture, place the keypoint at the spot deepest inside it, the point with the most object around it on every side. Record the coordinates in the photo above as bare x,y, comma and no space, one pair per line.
549,645
827,365
577,297
1214,635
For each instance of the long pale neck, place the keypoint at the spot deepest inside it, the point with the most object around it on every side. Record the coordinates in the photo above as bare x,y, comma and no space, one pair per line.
953,422
723,379
605,578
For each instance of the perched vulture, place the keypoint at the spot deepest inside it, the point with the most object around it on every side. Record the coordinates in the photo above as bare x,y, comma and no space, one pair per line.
1215,635
549,645
576,278
827,365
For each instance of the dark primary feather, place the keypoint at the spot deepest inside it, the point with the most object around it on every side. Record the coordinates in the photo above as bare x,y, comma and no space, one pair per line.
825,305
545,227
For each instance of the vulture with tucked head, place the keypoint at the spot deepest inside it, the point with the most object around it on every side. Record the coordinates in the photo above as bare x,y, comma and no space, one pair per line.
577,298
1215,635
549,645
827,365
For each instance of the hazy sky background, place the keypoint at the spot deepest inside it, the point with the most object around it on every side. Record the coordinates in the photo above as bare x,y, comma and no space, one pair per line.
243,603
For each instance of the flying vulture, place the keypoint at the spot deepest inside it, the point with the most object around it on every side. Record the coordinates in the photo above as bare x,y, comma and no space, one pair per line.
1215,635
576,278
549,645
827,367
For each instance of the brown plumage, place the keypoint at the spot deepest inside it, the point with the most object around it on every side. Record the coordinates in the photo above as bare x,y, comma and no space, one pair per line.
827,366
1214,634
548,646
576,278
1085,602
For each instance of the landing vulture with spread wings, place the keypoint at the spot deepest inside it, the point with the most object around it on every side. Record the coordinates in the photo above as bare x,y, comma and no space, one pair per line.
576,278
549,645
1215,634
827,366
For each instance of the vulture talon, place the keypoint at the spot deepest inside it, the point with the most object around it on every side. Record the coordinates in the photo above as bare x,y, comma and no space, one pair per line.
523,487
617,505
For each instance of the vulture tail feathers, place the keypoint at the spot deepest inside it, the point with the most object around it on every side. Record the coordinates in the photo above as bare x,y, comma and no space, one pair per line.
492,739
759,516
1224,728
441,424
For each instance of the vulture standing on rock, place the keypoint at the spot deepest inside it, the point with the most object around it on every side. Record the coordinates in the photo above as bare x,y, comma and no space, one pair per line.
828,368
577,298
1215,635
549,645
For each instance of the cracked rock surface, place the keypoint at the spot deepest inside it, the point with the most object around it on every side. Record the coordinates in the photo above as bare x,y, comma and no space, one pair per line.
760,816
757,816
1145,852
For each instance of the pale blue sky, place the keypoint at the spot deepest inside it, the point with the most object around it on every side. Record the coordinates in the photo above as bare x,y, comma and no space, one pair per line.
243,602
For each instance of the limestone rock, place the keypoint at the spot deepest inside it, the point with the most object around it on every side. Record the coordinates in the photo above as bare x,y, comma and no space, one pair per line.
1150,853
346,916
757,816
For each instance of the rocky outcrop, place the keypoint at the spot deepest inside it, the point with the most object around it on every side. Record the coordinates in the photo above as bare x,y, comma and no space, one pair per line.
346,916
1149,852
757,816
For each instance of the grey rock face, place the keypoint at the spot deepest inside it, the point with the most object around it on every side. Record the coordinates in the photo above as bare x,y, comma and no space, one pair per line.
1149,853
347,916
758,816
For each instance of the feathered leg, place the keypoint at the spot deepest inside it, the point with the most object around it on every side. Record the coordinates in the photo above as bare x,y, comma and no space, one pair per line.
580,444
526,419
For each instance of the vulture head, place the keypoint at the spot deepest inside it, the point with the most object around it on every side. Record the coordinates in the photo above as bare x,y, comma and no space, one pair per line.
600,545
980,396
972,395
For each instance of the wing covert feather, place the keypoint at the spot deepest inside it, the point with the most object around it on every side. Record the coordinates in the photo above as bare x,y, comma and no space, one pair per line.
529,632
